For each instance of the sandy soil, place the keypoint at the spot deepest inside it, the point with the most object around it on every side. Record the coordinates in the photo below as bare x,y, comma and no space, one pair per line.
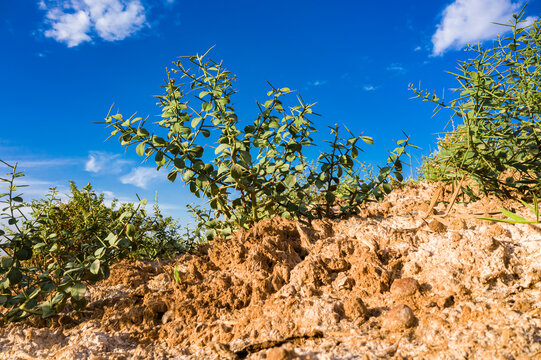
387,284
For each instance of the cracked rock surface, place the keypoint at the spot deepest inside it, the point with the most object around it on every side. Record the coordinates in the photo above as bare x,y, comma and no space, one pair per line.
386,284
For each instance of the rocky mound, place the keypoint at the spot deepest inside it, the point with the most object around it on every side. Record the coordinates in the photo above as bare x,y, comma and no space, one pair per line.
390,283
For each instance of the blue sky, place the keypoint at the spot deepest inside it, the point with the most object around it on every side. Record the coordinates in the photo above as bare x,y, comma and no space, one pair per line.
65,62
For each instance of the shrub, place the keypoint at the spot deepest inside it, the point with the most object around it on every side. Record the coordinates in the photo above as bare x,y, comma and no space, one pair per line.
498,142
253,171
49,257
157,236
52,254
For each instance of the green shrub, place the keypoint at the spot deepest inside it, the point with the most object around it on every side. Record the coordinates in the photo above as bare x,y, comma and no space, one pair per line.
253,171
50,256
157,236
498,102
85,217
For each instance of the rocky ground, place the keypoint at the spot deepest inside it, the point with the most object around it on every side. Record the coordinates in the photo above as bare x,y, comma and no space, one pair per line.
391,283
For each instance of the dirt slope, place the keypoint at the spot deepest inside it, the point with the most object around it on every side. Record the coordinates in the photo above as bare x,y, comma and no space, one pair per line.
387,284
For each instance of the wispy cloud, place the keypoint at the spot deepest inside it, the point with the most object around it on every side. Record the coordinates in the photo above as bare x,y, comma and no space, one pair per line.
396,67
369,87
417,48
470,21
141,177
103,162
75,21
317,83
23,164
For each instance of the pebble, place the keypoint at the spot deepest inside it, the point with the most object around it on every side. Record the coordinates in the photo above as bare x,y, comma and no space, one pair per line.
279,353
437,226
399,318
354,308
404,288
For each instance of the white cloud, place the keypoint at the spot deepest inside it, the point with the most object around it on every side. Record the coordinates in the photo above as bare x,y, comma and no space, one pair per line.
68,28
102,162
23,164
76,21
470,21
141,177
396,67
369,88
317,83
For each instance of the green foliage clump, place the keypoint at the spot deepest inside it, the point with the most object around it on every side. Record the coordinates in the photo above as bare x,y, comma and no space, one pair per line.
253,171
85,217
51,250
44,265
498,142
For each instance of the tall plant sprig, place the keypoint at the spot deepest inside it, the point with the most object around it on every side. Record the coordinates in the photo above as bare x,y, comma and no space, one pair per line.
498,142
252,172
339,183
252,169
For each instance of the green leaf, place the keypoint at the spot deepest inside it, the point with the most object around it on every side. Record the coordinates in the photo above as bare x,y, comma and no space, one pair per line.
158,141
159,157
367,139
140,149
34,293
24,253
6,262
172,176
387,188
99,252
223,167
268,103
78,291
196,121
513,216
143,133
237,171
290,181
179,163
58,298
245,156
221,148
130,230
46,310
112,239
95,267
15,276
207,106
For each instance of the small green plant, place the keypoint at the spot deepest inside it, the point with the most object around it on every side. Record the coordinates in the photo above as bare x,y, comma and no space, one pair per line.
253,171
157,236
516,219
498,142
51,251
